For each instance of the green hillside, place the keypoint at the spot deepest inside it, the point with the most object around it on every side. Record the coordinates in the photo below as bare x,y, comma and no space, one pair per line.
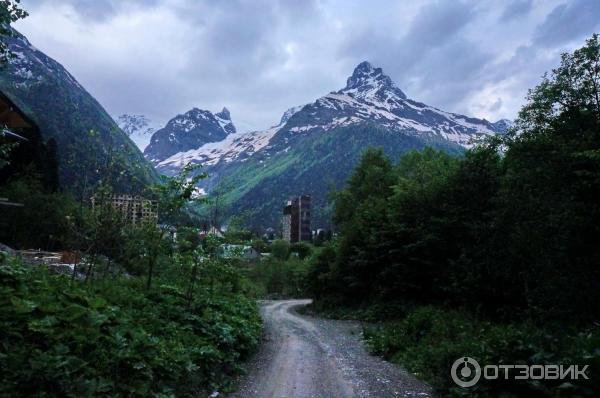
256,189
87,138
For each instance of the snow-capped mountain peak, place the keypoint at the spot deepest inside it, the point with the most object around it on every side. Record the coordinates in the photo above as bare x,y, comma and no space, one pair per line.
224,119
503,124
320,142
370,83
189,131
369,97
224,114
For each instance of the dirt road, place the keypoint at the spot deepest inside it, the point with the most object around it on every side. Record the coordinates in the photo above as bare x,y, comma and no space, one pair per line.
305,357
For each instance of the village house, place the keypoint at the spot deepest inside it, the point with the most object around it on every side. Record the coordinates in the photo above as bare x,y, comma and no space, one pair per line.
242,252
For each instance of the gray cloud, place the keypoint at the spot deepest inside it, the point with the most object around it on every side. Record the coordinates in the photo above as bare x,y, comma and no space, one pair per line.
438,22
515,10
567,22
260,57
97,11
496,105
452,71
432,28
433,58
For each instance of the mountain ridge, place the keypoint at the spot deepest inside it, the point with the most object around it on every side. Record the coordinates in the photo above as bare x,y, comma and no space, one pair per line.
369,96
315,146
84,132
189,130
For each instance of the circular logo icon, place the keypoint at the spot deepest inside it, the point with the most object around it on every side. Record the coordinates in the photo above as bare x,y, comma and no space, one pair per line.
465,372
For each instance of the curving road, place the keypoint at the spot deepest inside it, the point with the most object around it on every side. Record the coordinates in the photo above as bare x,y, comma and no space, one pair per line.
305,357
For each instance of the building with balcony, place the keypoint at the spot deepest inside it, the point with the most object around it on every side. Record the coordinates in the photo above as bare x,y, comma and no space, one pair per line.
134,209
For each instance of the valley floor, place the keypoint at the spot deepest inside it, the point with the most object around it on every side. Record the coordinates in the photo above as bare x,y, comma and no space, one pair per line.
306,357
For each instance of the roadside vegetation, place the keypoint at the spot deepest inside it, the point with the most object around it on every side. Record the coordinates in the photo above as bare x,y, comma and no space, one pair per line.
141,314
283,273
117,338
492,255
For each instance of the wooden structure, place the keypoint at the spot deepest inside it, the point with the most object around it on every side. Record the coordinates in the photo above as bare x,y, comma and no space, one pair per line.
13,124
14,120
30,153
5,202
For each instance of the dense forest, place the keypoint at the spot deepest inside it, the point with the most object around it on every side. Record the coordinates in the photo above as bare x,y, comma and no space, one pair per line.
493,254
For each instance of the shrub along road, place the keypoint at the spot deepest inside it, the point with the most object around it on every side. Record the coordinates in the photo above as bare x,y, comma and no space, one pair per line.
309,357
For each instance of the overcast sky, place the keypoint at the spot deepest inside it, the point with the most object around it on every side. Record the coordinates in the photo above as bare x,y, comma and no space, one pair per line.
259,58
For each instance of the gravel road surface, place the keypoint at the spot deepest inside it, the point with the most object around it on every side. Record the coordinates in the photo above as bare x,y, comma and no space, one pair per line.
306,357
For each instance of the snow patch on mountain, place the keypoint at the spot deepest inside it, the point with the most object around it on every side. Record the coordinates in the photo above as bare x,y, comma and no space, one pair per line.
368,82
189,131
25,58
369,96
224,119
503,124
234,146
288,114
231,148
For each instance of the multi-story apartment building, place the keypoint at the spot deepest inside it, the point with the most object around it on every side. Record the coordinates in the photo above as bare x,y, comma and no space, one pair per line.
296,219
134,209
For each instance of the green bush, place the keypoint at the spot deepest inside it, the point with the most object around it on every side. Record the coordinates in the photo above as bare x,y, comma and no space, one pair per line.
117,339
273,277
428,341
302,250
280,249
